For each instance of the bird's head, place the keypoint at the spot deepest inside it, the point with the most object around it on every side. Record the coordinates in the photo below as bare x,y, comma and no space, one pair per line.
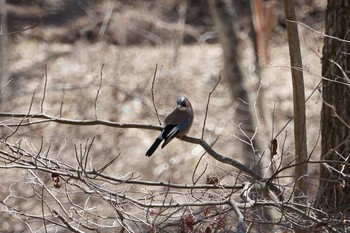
183,103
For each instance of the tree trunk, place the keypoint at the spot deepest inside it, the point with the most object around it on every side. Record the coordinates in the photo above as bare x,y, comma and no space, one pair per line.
224,17
301,156
3,41
334,186
3,51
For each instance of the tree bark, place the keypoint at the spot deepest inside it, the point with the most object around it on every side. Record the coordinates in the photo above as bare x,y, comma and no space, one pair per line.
334,186
301,156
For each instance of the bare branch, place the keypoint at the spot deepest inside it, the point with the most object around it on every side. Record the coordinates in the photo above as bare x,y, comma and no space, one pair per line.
66,222
3,88
48,118
318,32
44,91
98,90
152,92
207,106
201,142
62,102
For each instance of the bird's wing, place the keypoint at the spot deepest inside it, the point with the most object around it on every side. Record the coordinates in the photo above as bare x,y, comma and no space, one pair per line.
171,131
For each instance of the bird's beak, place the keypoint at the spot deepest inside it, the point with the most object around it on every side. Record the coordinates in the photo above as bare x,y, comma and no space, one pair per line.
181,108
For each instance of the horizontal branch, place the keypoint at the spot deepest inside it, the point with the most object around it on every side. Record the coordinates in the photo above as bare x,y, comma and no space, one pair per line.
168,185
46,118
74,175
204,144
221,158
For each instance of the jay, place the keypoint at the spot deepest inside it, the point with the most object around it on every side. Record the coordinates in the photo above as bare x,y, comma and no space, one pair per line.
176,124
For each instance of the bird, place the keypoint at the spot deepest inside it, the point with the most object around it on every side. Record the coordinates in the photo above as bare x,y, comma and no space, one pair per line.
176,124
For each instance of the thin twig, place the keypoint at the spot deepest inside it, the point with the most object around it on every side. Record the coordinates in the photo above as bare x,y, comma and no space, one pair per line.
62,102
207,106
346,77
87,151
66,222
42,206
108,164
197,165
24,116
152,91
318,32
44,92
99,89
3,88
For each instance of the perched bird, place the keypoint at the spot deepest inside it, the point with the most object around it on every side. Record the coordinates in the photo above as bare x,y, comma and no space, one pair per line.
176,124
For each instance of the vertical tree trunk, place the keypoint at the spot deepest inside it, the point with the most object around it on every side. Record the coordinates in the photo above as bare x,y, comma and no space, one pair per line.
300,140
3,51
224,18
334,186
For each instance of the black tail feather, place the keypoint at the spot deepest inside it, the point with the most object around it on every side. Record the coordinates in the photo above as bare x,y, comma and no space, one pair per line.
153,147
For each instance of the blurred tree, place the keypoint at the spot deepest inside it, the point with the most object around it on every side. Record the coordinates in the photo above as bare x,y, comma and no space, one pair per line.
3,48
224,15
335,119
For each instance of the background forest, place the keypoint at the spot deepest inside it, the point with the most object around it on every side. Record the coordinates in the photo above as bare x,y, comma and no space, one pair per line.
82,83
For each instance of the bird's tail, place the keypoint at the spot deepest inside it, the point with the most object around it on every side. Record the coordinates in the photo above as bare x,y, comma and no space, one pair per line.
153,147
